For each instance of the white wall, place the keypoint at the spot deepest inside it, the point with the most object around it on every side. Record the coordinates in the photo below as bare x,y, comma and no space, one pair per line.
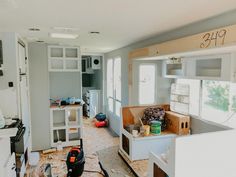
43,86
8,96
206,155
198,27
39,93
65,84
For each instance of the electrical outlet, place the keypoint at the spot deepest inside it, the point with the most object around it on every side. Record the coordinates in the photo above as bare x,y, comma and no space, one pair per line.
10,84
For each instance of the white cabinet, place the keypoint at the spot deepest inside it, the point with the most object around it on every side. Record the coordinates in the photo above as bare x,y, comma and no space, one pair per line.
205,67
66,124
173,68
207,155
65,59
93,102
7,160
10,166
211,67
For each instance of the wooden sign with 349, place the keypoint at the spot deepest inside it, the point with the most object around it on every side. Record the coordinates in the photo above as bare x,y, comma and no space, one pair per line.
213,39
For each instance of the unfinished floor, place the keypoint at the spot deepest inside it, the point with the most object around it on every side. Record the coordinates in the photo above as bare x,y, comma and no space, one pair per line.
95,139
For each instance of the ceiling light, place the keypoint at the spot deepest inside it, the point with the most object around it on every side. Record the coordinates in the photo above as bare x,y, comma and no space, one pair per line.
63,35
65,29
31,38
94,32
34,29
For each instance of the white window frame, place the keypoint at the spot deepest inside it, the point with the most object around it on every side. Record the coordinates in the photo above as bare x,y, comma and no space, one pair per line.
199,116
115,100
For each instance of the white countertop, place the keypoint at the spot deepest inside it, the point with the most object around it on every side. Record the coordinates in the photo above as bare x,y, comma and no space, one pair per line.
8,132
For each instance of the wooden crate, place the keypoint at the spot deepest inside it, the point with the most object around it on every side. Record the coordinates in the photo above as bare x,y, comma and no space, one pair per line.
177,123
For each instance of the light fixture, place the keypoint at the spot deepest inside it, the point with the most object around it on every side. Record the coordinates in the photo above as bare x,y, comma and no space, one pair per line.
94,32
31,38
34,29
64,35
64,29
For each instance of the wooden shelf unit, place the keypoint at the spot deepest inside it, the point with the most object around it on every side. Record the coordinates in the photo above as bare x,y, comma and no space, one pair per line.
66,125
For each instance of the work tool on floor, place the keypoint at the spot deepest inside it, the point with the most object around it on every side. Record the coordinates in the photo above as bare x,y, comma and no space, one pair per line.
101,120
75,161
103,170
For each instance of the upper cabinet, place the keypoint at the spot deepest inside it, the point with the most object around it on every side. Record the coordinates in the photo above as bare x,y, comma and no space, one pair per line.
212,67
64,59
207,67
173,68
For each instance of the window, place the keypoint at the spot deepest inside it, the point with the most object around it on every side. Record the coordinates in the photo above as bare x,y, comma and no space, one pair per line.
147,73
110,93
114,85
215,100
212,100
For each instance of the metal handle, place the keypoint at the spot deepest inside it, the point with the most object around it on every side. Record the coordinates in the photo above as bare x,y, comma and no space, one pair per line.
19,136
14,167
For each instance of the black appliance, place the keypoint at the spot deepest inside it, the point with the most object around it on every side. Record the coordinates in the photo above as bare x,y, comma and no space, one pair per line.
75,161
87,80
17,144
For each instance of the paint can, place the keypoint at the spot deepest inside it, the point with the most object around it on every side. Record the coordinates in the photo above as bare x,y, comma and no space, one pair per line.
156,127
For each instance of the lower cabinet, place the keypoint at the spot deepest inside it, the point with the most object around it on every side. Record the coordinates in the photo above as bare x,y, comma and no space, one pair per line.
66,124
158,172
10,166
93,103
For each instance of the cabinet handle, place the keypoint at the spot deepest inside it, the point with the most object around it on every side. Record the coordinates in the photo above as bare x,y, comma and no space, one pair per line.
14,167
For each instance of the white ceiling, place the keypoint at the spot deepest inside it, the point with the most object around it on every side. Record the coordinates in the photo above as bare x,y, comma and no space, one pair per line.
120,22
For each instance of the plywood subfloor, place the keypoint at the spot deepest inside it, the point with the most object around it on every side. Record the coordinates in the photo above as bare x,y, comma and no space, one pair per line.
139,167
95,139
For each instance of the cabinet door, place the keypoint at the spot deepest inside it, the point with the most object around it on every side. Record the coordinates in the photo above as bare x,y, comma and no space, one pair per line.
10,167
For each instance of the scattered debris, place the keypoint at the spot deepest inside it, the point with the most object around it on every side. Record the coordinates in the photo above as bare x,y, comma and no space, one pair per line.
119,172
49,151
